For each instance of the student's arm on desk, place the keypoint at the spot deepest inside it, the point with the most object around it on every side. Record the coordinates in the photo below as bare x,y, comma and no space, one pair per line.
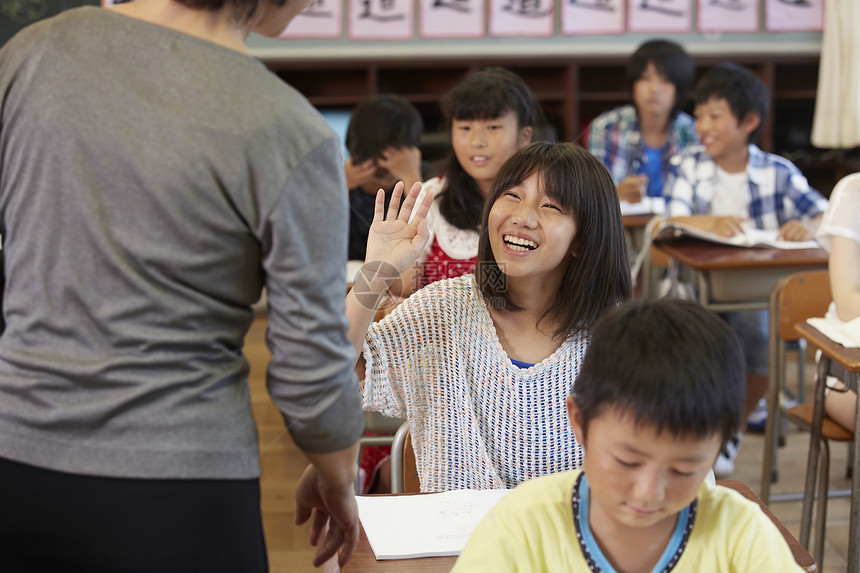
725,226
798,230
845,276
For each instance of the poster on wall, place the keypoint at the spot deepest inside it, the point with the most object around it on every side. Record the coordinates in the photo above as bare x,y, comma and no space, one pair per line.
660,16
380,19
322,19
794,15
729,15
451,18
522,18
592,17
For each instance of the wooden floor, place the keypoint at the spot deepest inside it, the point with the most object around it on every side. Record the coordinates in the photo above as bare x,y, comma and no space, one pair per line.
282,465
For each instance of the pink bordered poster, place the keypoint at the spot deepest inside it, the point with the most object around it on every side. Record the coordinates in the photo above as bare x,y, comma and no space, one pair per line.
451,18
592,17
794,15
381,19
659,16
729,15
523,18
322,19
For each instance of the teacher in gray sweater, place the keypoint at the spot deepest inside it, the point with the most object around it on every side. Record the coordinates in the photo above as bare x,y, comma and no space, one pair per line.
154,177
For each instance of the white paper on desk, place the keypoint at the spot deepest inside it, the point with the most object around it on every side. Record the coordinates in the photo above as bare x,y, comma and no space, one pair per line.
428,525
845,333
652,205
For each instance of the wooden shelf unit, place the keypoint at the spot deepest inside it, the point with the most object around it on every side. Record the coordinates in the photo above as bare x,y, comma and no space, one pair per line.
572,90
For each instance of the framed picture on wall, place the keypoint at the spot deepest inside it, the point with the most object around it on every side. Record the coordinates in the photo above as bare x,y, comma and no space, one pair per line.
592,17
522,18
451,18
729,15
322,19
794,15
660,16
381,19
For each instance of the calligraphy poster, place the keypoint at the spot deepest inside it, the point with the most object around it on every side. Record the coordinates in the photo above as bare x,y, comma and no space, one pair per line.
451,18
794,15
524,18
660,16
381,19
592,17
322,19
729,15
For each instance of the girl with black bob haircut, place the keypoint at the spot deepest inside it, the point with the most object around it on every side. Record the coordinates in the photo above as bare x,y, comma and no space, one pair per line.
597,276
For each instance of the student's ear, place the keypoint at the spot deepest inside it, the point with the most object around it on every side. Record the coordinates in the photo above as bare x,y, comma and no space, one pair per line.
574,415
750,122
525,136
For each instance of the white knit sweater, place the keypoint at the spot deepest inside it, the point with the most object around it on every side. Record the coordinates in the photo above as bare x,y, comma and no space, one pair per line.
477,421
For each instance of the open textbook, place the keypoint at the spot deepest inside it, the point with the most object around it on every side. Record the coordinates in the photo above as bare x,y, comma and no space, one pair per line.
845,333
426,525
751,237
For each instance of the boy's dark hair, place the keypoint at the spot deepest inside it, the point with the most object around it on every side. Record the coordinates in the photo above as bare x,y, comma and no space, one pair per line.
671,61
242,10
671,363
485,94
382,121
741,88
598,276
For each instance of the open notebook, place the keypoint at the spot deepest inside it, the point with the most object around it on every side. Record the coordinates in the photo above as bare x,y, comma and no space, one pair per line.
426,525
845,333
751,237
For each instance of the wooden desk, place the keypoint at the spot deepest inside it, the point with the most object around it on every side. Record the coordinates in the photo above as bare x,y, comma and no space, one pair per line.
637,221
363,560
849,360
738,278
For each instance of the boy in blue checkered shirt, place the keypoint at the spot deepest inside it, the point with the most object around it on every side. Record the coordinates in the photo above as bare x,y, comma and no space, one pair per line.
728,183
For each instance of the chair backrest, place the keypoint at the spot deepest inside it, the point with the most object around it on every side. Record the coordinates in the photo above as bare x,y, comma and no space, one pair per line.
404,468
797,297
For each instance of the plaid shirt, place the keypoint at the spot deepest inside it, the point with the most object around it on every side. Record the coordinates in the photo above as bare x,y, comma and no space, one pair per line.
614,138
778,191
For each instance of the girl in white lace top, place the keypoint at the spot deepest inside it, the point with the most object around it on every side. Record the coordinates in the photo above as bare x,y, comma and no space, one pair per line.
480,365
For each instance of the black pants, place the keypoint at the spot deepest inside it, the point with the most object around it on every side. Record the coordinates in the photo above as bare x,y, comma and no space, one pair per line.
53,522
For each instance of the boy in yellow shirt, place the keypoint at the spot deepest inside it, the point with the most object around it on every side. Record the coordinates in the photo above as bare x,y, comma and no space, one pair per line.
659,393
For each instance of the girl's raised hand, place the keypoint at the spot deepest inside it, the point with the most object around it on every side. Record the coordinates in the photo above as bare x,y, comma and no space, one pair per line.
394,239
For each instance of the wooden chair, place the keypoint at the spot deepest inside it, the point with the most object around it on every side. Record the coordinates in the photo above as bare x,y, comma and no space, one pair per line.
404,469
794,299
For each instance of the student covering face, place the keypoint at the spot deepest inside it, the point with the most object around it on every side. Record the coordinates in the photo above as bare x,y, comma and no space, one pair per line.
480,364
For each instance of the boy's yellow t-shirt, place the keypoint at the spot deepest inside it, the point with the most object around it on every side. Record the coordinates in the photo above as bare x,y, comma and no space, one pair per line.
532,529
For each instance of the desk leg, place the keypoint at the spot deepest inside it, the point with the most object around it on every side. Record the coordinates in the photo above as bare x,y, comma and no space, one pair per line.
769,467
851,380
814,453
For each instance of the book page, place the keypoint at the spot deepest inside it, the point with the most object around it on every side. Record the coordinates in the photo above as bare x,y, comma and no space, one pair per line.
751,237
425,525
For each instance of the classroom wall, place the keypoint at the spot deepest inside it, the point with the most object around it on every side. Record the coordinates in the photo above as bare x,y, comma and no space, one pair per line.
696,42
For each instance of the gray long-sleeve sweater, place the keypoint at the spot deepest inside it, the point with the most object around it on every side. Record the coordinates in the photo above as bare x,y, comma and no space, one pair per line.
151,183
